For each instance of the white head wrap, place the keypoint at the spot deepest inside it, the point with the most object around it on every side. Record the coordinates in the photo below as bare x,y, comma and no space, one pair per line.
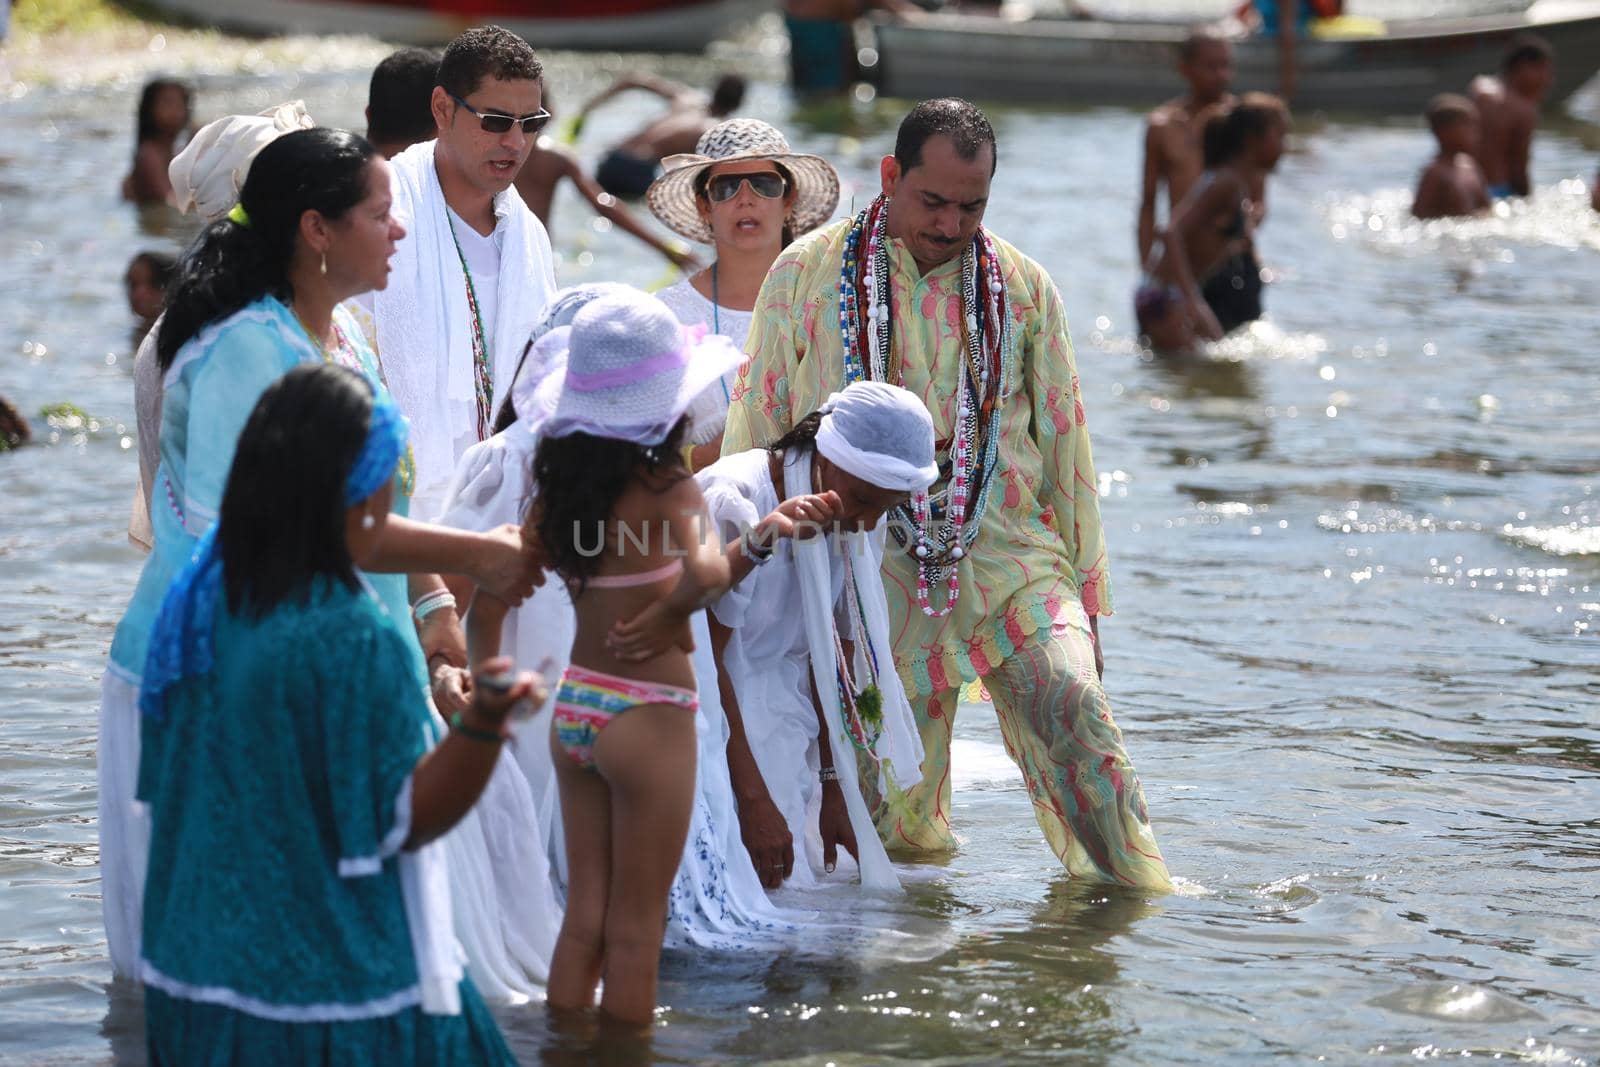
880,433
208,174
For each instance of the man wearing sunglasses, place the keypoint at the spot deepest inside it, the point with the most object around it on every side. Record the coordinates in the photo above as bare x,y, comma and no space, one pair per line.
474,272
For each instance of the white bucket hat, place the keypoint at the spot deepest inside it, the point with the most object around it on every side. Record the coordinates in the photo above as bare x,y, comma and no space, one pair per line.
208,174
880,433
672,196
632,370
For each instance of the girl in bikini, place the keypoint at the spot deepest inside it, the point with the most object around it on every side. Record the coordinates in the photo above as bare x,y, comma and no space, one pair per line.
621,521
1242,145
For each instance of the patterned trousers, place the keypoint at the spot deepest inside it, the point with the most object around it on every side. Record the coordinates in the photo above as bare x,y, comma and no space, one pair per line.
1057,727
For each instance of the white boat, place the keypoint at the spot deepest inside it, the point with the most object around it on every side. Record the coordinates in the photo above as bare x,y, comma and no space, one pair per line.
589,25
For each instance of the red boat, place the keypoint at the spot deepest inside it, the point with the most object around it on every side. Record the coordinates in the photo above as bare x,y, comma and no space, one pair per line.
590,25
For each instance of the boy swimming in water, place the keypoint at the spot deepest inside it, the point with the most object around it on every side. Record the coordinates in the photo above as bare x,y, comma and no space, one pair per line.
1453,183
1172,152
1508,107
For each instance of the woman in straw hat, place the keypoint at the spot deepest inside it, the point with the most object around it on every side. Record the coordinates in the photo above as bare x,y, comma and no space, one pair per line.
746,193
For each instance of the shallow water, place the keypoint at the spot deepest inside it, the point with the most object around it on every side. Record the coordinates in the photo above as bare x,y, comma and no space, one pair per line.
1358,577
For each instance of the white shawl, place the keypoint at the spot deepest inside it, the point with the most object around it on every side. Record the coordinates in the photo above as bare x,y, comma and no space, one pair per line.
899,745
424,324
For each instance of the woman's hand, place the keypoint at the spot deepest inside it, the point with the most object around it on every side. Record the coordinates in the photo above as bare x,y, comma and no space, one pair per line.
834,825
508,565
657,629
766,837
497,688
1205,322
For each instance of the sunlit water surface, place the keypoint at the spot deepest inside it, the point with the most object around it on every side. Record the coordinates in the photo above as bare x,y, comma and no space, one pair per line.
1357,575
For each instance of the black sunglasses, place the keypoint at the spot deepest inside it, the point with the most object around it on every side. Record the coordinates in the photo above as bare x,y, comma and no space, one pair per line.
496,123
767,185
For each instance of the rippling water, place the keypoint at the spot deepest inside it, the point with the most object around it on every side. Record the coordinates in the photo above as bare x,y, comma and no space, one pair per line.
1358,576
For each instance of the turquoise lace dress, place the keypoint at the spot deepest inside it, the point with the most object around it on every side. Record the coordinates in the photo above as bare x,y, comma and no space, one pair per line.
279,786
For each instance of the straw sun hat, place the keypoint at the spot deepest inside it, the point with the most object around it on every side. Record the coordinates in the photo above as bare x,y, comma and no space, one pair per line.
632,370
671,196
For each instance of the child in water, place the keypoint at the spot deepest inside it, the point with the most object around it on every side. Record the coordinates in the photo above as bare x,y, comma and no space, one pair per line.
622,522
1452,184
146,285
1508,107
165,109
1242,145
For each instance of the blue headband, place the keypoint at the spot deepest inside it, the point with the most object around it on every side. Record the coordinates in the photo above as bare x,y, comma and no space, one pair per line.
181,639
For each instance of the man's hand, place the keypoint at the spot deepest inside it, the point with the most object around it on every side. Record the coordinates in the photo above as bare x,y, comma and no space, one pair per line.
834,825
766,837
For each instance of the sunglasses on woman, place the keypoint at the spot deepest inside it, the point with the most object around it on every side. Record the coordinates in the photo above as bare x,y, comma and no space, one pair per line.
493,122
767,185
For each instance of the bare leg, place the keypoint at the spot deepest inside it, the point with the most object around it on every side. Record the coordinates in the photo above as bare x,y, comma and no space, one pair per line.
647,757
586,821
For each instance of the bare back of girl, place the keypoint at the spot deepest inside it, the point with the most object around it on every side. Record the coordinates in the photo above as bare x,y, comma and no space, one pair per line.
624,743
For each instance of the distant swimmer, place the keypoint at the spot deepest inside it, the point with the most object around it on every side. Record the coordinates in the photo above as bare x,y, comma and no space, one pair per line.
1287,20
629,167
1452,184
1172,150
165,110
1242,146
1508,107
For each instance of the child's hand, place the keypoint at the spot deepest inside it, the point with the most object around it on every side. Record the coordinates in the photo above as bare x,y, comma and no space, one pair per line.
657,629
800,517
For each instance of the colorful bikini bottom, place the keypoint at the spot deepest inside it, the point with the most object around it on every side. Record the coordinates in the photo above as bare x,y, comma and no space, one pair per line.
588,700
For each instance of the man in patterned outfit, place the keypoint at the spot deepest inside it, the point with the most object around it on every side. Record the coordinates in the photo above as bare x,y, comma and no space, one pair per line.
1026,569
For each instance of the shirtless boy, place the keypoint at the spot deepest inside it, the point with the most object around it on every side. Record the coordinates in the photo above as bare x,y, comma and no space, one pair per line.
628,168
1172,151
1508,108
1452,184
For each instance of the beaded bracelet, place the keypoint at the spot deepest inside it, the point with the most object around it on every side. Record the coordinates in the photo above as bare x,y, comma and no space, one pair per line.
474,733
428,603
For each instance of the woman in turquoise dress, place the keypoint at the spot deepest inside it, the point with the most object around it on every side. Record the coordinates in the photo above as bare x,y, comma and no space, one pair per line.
256,296
291,914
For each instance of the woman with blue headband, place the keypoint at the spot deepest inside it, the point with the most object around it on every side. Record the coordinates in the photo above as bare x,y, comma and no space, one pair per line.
295,910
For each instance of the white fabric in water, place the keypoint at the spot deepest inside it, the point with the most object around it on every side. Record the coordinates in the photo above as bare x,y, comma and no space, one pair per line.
124,822
423,324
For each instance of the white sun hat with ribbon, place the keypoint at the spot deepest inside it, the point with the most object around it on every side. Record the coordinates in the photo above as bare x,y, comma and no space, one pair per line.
632,371
672,196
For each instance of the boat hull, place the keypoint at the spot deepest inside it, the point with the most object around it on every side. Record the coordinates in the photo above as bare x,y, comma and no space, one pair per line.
1070,63
681,28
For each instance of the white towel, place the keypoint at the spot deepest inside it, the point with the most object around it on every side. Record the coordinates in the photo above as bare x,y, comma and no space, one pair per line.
899,743
424,324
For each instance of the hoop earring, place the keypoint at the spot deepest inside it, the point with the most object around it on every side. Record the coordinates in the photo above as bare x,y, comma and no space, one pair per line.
367,521
324,263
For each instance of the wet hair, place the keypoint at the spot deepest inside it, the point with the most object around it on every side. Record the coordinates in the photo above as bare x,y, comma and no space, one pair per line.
161,267
803,435
965,124
486,52
147,129
231,265
579,479
1228,132
282,523
727,95
1199,38
1448,109
702,182
400,96
1526,48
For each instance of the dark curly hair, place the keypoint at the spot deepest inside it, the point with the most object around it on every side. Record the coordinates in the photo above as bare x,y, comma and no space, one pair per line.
578,479
487,52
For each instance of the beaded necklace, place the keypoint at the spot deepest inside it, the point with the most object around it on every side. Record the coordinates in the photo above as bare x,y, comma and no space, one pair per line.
860,710
947,522
483,374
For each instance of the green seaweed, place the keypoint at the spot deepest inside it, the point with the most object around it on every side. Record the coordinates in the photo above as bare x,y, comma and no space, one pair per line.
869,705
